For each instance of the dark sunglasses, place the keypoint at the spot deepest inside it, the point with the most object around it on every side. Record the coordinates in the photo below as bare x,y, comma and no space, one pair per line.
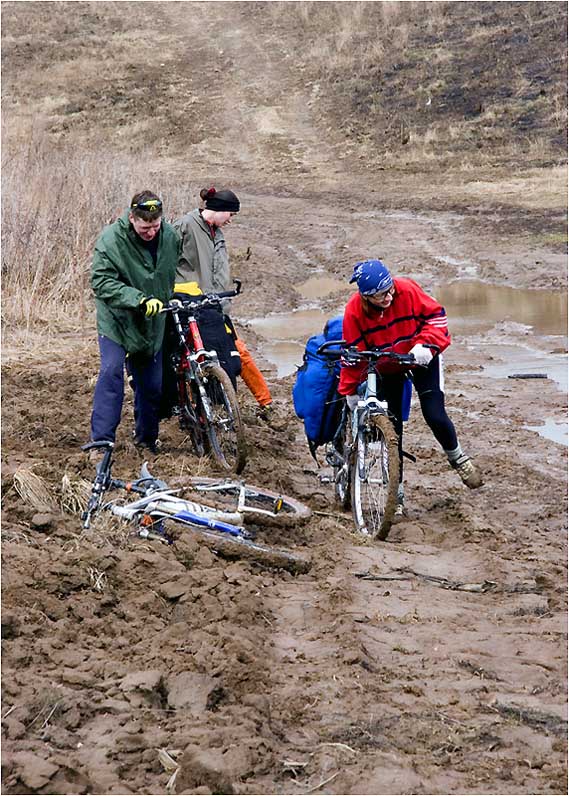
150,205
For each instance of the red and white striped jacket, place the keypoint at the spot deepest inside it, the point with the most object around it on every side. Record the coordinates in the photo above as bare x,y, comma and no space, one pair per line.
413,317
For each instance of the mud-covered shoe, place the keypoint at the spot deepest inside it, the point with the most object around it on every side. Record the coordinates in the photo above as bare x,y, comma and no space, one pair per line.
467,471
265,412
270,415
399,513
151,447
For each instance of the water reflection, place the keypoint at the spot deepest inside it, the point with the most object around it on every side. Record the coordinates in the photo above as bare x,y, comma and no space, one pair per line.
553,430
295,325
286,355
544,310
470,306
318,287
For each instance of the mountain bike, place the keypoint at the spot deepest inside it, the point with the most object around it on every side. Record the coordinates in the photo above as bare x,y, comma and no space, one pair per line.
161,514
206,401
364,453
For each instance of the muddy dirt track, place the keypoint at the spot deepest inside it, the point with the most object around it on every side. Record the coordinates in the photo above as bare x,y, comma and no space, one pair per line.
432,663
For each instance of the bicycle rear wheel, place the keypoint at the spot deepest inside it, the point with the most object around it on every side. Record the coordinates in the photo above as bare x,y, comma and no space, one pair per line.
225,429
375,475
191,419
232,547
283,509
341,467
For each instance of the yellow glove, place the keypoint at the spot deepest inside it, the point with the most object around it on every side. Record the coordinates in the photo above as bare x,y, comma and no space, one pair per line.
151,306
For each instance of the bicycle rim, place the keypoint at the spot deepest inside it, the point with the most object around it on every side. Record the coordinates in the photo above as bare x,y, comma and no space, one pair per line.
191,410
290,511
375,477
225,430
236,547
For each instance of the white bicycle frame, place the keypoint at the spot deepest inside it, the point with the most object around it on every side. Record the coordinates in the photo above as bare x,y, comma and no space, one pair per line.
241,507
372,404
166,504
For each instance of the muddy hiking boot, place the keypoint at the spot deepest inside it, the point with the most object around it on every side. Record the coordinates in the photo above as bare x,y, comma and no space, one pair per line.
150,447
467,471
272,417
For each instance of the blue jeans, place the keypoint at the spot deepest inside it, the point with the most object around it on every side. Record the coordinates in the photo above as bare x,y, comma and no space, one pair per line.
146,373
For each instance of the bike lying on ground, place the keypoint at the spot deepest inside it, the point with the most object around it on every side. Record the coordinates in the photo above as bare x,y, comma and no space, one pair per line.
160,512
364,453
207,403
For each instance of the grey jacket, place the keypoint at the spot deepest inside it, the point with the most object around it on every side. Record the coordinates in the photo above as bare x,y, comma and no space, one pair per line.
203,259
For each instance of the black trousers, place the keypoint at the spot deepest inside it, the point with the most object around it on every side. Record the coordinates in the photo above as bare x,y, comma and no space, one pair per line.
429,386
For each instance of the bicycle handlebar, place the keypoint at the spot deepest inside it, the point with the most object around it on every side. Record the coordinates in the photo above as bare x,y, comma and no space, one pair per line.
205,300
374,356
101,482
352,354
106,444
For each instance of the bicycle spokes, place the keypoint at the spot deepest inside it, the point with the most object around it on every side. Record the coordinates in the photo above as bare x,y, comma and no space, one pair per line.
374,477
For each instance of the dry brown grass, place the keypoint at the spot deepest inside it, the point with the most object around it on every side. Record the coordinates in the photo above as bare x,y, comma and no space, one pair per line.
33,490
419,82
56,200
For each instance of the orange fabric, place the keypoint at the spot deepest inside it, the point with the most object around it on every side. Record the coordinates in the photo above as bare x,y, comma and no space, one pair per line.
252,376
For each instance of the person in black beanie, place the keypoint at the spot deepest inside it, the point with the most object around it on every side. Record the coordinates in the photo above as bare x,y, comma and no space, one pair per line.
204,260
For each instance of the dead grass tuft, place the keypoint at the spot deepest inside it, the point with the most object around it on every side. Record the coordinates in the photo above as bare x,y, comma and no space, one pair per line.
33,490
75,494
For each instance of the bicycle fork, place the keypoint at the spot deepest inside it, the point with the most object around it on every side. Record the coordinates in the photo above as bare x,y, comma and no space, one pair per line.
369,405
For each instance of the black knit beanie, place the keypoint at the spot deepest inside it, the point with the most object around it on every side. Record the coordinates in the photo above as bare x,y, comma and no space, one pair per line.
222,201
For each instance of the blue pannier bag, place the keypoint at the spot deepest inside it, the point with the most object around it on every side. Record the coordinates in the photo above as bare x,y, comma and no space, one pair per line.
315,396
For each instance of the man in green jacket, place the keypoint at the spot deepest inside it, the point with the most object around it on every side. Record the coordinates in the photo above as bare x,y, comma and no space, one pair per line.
133,275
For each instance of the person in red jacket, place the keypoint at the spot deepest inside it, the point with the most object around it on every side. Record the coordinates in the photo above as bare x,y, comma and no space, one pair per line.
397,315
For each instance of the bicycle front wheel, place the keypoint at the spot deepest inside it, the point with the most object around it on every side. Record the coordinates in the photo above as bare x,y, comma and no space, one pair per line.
191,414
375,475
225,428
261,505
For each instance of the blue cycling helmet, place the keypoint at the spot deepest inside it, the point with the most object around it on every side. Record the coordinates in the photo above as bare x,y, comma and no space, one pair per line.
371,276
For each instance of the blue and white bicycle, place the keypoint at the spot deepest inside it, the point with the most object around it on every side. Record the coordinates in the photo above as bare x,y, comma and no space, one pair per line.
160,513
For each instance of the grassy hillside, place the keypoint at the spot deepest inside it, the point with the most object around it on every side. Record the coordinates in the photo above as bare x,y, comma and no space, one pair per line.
457,81
416,81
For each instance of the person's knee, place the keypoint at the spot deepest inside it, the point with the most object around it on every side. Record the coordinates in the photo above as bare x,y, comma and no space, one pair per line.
433,407
111,374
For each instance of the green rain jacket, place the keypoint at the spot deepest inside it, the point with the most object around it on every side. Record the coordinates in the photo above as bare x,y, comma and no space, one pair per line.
122,274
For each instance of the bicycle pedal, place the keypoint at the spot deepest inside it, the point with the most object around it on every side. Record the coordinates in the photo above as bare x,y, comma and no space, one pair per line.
147,533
